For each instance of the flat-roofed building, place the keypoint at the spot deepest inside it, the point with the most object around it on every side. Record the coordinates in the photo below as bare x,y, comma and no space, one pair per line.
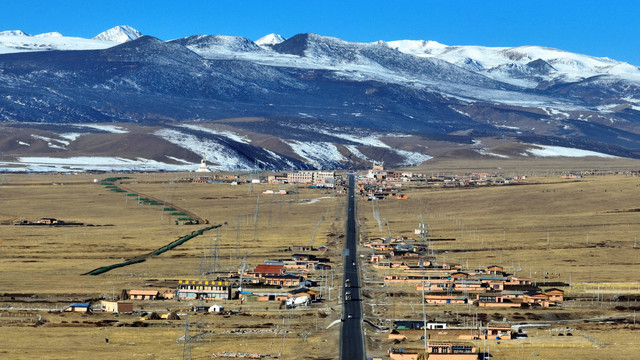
203,289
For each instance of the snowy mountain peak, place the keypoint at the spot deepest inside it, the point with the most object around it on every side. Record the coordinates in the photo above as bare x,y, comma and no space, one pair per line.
270,39
13,33
119,34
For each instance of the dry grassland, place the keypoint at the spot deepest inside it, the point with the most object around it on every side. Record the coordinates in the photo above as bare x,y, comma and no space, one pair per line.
42,266
581,232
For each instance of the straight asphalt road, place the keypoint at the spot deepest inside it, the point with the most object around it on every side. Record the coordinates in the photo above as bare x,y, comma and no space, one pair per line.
351,337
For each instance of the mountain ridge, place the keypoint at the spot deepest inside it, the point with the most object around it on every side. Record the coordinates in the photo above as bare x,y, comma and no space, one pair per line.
322,95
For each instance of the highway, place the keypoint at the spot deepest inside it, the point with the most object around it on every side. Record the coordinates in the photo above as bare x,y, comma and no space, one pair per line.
351,337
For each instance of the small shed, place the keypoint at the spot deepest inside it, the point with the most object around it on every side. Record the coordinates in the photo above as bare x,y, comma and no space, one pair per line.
216,308
78,308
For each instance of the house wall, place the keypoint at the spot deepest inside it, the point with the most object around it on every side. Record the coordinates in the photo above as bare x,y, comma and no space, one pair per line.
499,305
453,356
404,356
124,307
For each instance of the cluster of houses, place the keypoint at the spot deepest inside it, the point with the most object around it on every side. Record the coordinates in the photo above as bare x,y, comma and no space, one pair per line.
319,178
48,221
407,261
445,342
380,183
450,284
282,280
268,281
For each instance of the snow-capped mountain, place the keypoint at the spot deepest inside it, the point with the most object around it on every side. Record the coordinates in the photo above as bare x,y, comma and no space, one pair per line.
528,66
119,34
14,41
18,41
269,40
310,100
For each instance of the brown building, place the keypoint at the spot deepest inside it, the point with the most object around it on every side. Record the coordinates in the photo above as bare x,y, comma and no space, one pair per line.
143,295
262,270
286,280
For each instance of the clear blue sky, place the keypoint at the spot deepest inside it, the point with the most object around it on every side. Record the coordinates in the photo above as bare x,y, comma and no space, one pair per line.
598,28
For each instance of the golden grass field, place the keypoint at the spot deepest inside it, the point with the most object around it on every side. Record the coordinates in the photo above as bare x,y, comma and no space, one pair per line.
580,231
42,266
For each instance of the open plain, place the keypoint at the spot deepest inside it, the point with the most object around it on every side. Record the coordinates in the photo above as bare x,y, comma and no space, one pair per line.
580,231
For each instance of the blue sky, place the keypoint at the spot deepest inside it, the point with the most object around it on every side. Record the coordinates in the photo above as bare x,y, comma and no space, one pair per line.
589,27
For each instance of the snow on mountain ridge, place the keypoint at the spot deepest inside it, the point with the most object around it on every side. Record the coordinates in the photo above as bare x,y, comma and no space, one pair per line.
13,33
218,46
17,41
119,34
414,47
491,61
270,39
504,64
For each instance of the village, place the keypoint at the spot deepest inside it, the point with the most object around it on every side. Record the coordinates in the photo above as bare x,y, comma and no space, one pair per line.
306,278
287,282
417,295
450,284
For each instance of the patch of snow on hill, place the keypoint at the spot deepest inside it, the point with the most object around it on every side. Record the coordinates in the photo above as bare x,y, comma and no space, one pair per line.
320,154
71,136
369,140
278,157
354,150
220,157
485,152
180,160
556,151
88,163
104,127
412,158
228,134
52,142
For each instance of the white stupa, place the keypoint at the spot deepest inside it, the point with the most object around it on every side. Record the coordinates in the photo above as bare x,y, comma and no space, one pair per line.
203,165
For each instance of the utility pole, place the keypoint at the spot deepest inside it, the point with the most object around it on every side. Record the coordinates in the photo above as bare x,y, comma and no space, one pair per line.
255,220
186,348
314,232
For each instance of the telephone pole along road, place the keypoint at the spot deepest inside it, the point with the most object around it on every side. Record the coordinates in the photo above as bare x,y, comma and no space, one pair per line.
351,337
